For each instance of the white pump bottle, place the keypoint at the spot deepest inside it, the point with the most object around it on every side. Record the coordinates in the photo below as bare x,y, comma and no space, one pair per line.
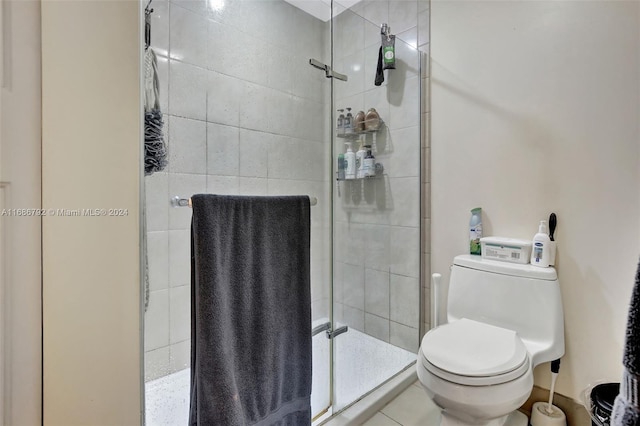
540,252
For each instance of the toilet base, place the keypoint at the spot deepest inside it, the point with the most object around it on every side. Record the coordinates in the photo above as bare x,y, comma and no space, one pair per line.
516,418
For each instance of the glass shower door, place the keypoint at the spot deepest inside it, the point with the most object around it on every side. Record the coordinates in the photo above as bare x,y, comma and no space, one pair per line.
376,278
245,114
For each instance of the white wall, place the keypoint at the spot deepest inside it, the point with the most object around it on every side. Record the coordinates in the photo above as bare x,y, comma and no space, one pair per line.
535,110
91,131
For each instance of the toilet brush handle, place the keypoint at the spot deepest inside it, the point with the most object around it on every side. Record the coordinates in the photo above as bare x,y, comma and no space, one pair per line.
436,280
554,376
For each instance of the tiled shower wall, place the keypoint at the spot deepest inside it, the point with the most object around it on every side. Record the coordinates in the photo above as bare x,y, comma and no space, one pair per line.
252,118
377,259
244,114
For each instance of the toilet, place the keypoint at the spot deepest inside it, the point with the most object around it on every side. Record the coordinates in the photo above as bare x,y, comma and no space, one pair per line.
503,319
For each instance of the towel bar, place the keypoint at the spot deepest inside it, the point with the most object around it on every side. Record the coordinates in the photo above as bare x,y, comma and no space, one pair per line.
186,202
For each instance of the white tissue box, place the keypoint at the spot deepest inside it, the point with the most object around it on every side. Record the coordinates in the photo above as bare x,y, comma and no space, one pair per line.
505,249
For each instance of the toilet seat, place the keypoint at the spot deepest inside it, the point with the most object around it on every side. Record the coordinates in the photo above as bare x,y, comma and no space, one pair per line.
472,353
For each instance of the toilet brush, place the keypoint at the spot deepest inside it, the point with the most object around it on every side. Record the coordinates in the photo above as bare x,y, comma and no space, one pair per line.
547,414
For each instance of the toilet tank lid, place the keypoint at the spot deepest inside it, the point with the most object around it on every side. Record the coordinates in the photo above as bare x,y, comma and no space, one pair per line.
514,269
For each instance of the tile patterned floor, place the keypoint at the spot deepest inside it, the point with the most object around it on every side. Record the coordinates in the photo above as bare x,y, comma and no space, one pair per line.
411,408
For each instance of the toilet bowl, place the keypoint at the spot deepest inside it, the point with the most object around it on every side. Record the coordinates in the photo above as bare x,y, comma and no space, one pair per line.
476,372
478,367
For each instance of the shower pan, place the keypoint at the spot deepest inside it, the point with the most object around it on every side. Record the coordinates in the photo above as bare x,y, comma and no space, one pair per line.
250,90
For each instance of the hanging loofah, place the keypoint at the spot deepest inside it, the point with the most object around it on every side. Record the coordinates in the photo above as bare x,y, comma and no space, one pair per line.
155,150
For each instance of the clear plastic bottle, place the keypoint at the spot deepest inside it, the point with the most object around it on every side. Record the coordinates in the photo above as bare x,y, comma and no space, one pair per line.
341,167
340,124
349,163
360,160
348,122
475,231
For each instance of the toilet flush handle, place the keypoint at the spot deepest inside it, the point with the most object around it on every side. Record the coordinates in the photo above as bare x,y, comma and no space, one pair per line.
435,300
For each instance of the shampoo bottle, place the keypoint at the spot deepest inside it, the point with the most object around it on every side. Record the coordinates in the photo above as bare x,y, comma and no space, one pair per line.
540,252
341,168
475,231
349,163
348,122
369,165
340,124
360,161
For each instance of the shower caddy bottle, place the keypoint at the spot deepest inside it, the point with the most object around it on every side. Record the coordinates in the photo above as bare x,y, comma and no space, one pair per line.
349,163
340,124
348,123
360,160
369,164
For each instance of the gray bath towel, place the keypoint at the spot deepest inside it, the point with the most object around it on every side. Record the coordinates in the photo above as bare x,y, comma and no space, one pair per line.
251,311
626,409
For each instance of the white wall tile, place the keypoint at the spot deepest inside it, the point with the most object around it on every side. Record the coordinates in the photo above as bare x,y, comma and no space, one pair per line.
353,286
188,42
187,146
253,186
351,38
156,363
198,6
353,66
184,186
187,93
180,355
158,258
423,26
280,68
157,201
223,185
338,281
255,104
308,82
372,38
376,11
223,99
405,102
403,299
410,37
180,313
404,337
404,251
179,257
406,201
376,326
405,160
376,247
402,15
353,317
156,330
376,293
253,153
223,152
160,27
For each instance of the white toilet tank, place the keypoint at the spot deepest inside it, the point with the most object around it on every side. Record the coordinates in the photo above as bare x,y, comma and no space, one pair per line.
523,298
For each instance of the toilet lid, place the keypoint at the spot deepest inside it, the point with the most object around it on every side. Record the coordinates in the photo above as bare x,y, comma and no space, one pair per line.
471,348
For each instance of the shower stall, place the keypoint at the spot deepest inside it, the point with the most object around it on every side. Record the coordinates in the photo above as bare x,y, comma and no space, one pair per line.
250,92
